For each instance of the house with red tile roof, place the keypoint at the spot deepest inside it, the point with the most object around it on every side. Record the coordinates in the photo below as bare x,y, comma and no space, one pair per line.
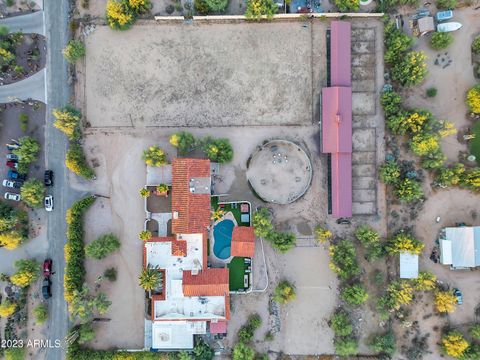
193,295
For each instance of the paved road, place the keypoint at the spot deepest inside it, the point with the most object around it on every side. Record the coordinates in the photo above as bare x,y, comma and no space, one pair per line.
56,21
32,87
28,24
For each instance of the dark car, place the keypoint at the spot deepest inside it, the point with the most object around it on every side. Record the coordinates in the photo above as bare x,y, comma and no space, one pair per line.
48,178
459,296
12,174
46,289
47,267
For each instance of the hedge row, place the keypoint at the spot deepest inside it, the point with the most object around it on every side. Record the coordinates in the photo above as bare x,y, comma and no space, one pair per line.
75,248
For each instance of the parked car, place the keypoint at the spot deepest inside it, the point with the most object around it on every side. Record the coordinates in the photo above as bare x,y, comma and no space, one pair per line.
48,178
12,184
12,146
444,15
12,164
11,156
46,288
12,196
459,296
47,267
12,174
48,202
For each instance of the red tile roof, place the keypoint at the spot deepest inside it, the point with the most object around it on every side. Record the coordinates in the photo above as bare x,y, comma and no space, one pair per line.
243,241
208,282
219,327
193,209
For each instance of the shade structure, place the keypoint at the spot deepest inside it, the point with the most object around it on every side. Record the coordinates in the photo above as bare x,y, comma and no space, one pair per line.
337,120
340,54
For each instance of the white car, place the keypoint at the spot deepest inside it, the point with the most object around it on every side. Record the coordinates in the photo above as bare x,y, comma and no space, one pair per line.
12,184
48,202
12,196
12,157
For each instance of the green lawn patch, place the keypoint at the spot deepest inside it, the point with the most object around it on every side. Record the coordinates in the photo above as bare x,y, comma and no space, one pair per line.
475,143
237,270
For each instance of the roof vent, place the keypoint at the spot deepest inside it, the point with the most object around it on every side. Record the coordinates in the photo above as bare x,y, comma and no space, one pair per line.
194,271
175,215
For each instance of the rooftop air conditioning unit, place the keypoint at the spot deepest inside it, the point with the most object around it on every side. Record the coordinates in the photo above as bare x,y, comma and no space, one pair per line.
175,215
194,271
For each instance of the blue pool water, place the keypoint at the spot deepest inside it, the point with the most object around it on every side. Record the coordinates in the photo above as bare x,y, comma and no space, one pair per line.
222,233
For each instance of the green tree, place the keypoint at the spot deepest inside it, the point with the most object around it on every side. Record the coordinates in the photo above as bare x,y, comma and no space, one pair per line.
41,313
391,103
11,239
27,153
202,351
347,5
425,281
404,242
217,5
343,260
257,9
282,241
103,246
183,140
396,43
219,150
154,156
145,193
471,179
390,172
454,344
473,99
366,235
476,45
432,92
201,7
322,234
243,352
411,69
434,159
346,346
86,333
17,353
27,272
423,144
446,4
340,324
150,279
262,224
409,190
74,50
441,40
354,294
384,343
145,235
448,176
445,301
284,292
474,331
119,15
84,305
33,192
7,308
77,162
67,120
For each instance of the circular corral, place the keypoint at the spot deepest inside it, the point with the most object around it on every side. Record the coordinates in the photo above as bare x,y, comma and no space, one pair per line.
280,172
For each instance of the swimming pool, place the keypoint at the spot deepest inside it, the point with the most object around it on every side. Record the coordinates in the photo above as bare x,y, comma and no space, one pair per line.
222,233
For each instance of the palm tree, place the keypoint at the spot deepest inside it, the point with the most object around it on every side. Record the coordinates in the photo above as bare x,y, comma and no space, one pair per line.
145,235
151,279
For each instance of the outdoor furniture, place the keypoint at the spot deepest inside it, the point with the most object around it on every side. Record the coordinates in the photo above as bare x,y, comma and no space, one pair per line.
244,208
245,281
245,218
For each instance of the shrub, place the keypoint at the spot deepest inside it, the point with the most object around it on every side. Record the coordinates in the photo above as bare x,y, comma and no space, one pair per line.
434,160
111,274
432,92
425,281
102,246
347,5
448,176
447,129
411,69
243,352
446,4
74,249
246,332
154,156
343,260
119,15
475,331
17,353
201,7
77,163
398,293
183,141
84,305
41,313
219,150
454,344
282,241
27,272
284,292
202,351
391,103
476,45
11,239
67,120
424,144
27,153
441,40
390,172
86,333
256,9
445,301
340,324
396,43
150,278
161,189
384,344
371,240
409,190
139,6
145,235
7,308
346,346
404,242
23,118
262,224
217,214
74,50
217,5
322,235
13,226
471,179
354,294
144,193
170,9
33,192
473,99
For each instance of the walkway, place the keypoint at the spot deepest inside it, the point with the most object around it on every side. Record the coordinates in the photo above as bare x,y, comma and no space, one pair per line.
31,88
27,24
